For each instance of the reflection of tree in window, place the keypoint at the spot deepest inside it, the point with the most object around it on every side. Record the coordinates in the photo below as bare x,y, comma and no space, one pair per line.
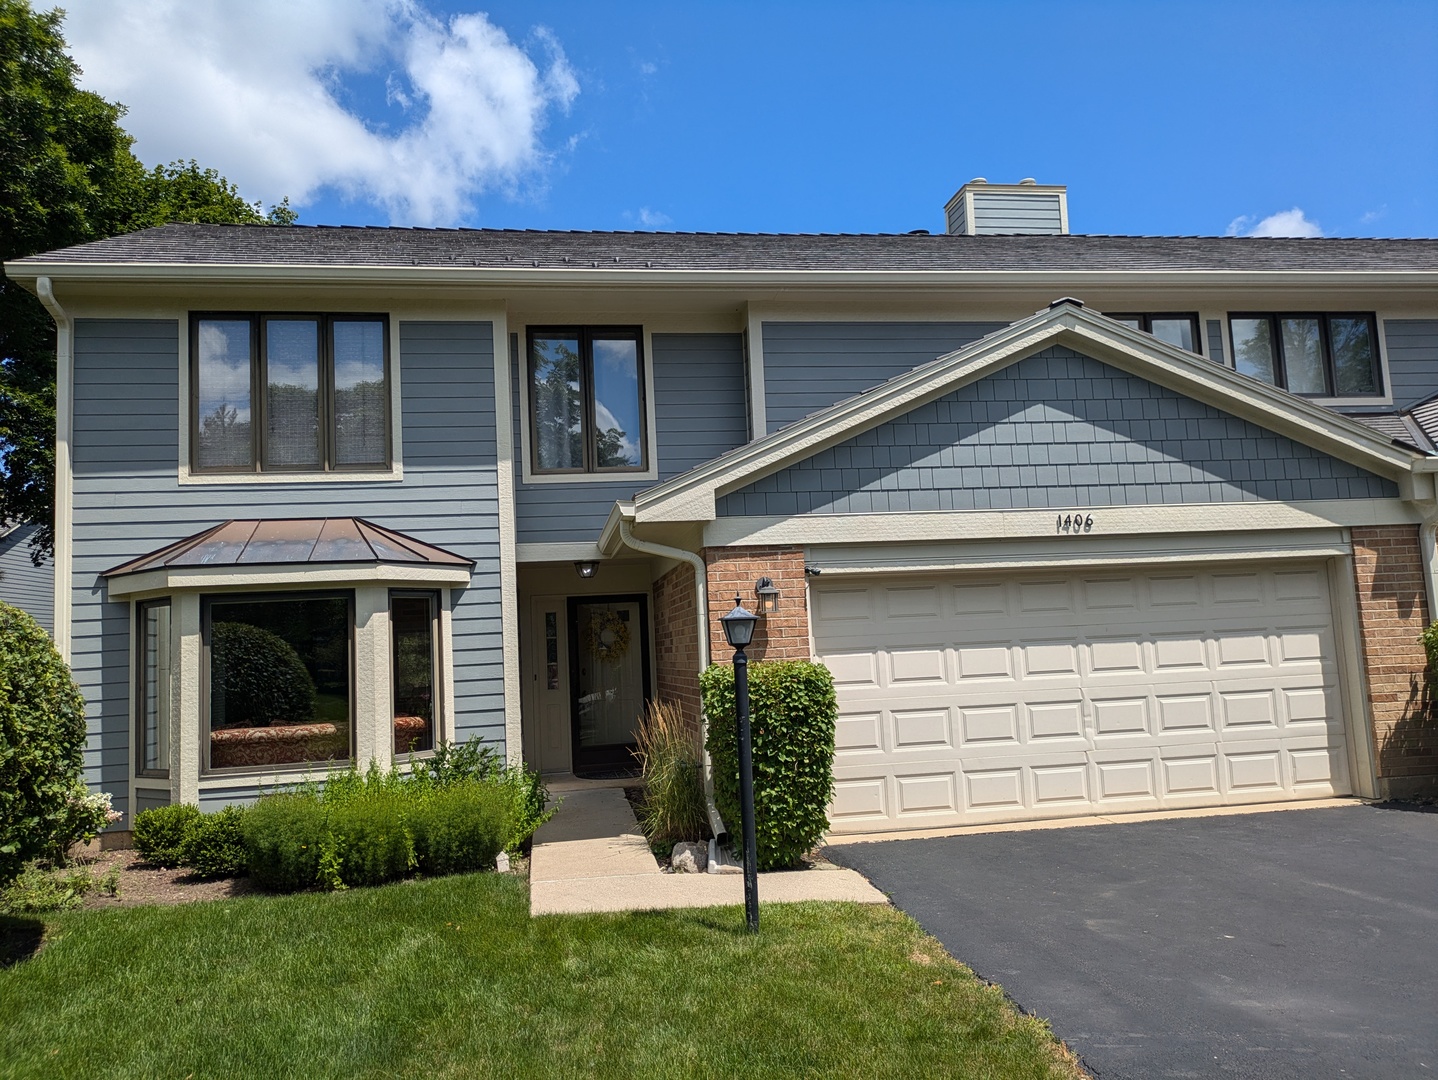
559,404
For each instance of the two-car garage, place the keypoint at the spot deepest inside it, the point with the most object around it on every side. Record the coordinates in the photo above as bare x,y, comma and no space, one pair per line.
968,698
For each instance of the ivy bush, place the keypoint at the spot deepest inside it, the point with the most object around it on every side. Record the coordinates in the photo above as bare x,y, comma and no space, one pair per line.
42,737
792,712
159,833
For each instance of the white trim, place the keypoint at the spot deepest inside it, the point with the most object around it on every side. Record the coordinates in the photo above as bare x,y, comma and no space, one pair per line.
508,529
528,476
299,576
188,756
386,476
932,525
64,523
447,727
881,558
758,388
1362,756
576,551
691,496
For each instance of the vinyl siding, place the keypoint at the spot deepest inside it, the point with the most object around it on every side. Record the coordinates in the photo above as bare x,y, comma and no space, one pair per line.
1055,430
128,501
1412,359
24,585
811,365
700,412
998,214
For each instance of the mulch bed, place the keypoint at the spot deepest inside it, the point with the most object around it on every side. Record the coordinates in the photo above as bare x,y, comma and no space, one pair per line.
141,883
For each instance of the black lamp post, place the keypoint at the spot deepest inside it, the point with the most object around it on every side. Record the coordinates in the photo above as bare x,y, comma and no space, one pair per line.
739,631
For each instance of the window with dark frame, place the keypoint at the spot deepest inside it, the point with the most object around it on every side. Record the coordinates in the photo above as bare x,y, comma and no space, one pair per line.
414,635
152,688
587,409
1176,328
1314,354
289,392
278,677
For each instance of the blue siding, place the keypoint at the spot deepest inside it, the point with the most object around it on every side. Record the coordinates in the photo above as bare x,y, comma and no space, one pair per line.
1412,359
700,412
809,366
128,501
152,798
1055,430
24,585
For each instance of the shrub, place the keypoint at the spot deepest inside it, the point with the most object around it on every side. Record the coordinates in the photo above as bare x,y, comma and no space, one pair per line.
453,762
1429,640
368,840
462,827
42,735
214,844
528,804
283,837
668,751
159,834
263,678
792,716
37,889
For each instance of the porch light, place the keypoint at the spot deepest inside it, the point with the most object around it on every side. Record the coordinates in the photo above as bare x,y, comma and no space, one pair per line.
586,568
767,595
739,626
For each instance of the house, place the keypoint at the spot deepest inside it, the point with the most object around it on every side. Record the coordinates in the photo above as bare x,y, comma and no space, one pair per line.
1080,523
24,585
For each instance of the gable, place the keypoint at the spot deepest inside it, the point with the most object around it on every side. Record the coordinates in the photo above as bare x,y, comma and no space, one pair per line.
1055,430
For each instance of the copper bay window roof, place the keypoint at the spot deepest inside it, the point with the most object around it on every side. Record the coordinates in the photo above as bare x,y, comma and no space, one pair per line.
292,541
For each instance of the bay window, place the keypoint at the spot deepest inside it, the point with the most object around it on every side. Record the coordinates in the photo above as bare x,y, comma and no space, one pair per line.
152,688
414,639
272,393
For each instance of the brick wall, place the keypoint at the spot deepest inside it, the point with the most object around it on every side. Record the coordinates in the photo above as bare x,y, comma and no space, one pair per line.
1392,612
676,642
784,635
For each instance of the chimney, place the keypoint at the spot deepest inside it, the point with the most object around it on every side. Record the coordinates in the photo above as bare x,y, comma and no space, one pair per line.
980,208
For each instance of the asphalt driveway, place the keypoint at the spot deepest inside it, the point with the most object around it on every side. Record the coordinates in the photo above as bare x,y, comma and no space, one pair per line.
1294,944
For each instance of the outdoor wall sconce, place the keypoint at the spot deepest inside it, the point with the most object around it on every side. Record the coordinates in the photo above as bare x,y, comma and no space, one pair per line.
767,596
586,568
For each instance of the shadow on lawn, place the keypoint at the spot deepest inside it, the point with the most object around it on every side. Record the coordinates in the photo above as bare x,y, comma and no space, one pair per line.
20,939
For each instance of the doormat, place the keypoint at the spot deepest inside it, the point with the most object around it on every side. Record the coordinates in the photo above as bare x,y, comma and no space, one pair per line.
612,772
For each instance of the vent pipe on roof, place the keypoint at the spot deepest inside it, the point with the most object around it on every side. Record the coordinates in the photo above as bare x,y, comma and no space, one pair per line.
980,208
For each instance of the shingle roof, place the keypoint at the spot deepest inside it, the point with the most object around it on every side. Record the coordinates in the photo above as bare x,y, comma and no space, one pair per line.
344,246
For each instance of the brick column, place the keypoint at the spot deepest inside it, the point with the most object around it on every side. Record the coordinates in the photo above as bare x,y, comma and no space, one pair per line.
676,642
784,635
1392,612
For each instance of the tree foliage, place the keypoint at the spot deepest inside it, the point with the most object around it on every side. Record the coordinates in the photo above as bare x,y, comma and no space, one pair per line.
68,176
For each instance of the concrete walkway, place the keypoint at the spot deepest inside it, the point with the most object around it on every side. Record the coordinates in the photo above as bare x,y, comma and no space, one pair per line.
592,857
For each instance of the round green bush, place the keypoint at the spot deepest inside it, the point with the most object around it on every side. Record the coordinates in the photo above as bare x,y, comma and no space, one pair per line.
159,834
214,844
792,711
284,837
42,737
462,828
263,678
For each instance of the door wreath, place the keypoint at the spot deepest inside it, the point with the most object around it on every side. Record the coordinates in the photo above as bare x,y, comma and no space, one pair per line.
607,637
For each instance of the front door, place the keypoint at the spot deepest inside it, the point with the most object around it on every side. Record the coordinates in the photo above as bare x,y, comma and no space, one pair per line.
608,678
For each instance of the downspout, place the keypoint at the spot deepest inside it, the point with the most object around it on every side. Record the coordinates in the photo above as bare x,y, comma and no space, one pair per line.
701,607
60,523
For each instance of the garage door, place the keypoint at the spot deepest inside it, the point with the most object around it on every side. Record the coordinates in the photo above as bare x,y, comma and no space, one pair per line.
965,699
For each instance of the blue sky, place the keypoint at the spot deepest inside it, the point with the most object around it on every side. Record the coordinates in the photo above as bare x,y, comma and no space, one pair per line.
1169,118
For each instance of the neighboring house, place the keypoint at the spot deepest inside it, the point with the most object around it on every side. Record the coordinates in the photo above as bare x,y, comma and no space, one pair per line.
338,493
23,584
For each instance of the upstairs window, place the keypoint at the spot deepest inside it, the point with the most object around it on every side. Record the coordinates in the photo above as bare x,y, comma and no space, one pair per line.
586,398
1180,330
301,393
1317,355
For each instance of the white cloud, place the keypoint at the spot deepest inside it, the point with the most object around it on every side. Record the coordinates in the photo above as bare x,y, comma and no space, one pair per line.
652,219
1284,223
261,92
1370,216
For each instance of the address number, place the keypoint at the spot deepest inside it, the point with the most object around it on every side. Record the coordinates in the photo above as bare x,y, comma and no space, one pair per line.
1075,523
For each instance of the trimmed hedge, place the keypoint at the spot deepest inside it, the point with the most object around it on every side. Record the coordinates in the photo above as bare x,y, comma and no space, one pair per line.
284,836
42,737
792,715
461,828
159,834
214,844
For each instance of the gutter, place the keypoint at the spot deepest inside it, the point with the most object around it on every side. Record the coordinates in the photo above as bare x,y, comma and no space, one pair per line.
701,608
64,483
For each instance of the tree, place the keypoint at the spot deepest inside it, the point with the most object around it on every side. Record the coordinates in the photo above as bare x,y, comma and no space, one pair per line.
68,176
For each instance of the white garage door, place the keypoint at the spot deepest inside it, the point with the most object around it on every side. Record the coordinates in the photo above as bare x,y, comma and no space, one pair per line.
965,699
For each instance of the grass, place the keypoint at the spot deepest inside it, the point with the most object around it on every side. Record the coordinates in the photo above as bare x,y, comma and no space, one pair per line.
450,977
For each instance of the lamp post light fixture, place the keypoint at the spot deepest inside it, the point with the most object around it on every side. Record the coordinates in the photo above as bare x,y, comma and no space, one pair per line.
739,632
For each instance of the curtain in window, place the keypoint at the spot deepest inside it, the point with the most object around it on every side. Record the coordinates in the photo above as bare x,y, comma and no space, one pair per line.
292,361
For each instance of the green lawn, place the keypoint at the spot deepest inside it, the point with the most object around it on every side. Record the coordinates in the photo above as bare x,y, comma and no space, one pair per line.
450,977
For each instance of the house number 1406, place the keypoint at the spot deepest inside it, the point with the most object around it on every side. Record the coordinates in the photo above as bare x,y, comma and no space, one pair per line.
1075,523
